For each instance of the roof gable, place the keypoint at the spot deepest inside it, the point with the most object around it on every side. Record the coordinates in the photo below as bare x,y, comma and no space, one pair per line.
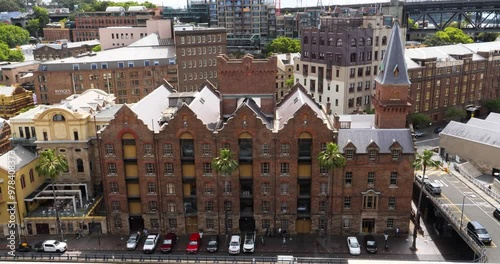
149,109
384,139
292,102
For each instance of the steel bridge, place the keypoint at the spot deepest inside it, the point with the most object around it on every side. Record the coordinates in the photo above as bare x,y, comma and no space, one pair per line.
472,16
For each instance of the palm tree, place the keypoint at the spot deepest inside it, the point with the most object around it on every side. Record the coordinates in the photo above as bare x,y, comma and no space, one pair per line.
226,165
331,159
422,162
50,166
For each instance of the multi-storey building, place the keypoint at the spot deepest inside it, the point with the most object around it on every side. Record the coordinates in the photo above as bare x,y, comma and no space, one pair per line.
458,76
196,12
285,73
70,129
130,72
286,26
51,34
18,73
56,51
13,99
340,60
197,49
115,37
87,24
5,135
157,157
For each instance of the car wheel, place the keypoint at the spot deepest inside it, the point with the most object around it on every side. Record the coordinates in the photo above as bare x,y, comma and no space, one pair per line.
58,251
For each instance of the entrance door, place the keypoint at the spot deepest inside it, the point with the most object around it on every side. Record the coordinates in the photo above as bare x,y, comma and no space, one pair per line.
136,223
192,225
368,225
42,229
303,226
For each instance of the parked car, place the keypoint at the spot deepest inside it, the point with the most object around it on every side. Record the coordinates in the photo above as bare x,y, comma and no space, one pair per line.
354,247
496,213
193,245
54,246
438,130
249,242
370,244
24,247
213,244
478,232
419,133
150,243
433,188
133,241
168,243
234,245
419,178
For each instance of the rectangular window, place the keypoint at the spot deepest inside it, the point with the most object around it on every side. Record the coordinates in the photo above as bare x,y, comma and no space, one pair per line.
113,187
266,223
350,154
265,150
347,202
206,150
170,188
322,206
395,154
323,188
284,207
109,150
348,179
209,206
121,65
171,207
150,168
209,189
111,168
266,188
76,67
172,223
115,206
93,66
265,168
284,169
323,170
285,149
207,169
151,188
167,150
346,222
284,188
148,150
390,223
392,202
169,169
372,154
153,206
371,178
370,202
210,223
394,178
155,224
265,206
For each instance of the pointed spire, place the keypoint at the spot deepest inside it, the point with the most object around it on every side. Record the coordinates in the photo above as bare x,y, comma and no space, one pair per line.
393,68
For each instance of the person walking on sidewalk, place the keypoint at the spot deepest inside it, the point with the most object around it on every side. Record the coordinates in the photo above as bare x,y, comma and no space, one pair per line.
284,242
397,231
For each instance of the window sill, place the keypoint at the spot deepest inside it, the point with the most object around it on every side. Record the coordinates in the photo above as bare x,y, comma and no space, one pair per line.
393,186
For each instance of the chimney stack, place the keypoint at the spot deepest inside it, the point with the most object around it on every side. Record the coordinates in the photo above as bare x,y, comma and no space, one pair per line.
336,121
328,108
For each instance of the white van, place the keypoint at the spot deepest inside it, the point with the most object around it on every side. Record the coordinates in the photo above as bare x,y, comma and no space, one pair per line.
234,245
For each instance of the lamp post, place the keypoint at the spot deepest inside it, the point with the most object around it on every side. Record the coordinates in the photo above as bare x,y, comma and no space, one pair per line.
462,214
386,236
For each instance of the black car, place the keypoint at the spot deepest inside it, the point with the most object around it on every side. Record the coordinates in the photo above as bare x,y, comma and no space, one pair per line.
370,244
496,213
213,244
438,130
24,247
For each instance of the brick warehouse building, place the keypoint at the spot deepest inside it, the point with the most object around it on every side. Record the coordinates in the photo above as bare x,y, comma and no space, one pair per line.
157,154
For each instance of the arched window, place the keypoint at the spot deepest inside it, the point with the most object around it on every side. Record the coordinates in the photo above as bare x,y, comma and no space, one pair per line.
353,42
32,176
79,165
369,41
306,40
361,41
384,40
58,117
321,41
313,40
330,42
339,42
23,181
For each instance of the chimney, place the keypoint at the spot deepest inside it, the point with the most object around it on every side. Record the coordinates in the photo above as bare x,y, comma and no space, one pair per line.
328,108
336,121
288,56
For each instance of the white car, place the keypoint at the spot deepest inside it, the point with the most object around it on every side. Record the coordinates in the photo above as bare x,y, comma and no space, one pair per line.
54,246
249,242
354,247
419,178
234,245
150,243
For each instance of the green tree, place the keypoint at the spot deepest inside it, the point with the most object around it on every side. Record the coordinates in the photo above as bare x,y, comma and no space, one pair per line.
7,54
448,36
492,105
9,6
42,15
226,165
13,36
422,162
412,24
419,119
97,48
330,158
51,165
290,82
284,45
455,113
488,36
33,27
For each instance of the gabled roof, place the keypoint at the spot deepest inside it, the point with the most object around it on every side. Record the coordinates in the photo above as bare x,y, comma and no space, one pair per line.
206,106
394,60
384,138
149,109
477,133
19,155
148,41
493,117
254,107
292,102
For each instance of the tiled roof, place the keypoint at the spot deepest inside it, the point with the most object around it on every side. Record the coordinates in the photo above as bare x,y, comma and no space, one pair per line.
384,138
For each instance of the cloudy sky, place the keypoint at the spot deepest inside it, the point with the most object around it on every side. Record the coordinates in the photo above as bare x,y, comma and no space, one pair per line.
284,3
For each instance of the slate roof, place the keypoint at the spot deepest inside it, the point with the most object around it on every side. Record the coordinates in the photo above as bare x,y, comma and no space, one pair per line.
19,155
149,109
475,133
292,102
393,59
384,138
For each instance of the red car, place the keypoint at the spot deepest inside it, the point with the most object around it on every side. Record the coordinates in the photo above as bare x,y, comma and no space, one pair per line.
168,243
194,243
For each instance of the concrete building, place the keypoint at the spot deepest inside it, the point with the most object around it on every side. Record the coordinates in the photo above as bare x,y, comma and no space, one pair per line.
285,72
130,72
286,26
197,49
88,23
115,37
13,99
195,12
158,158
18,74
56,51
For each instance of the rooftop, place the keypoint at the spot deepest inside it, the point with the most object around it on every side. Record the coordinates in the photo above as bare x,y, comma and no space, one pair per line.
19,155
477,130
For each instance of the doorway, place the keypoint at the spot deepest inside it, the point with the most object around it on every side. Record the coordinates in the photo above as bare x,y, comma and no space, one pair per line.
136,223
368,225
42,229
303,226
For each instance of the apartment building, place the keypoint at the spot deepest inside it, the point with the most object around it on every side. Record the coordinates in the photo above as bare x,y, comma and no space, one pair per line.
130,72
56,51
115,37
51,34
196,12
13,99
341,58
197,49
286,26
285,73
21,73
87,24
158,175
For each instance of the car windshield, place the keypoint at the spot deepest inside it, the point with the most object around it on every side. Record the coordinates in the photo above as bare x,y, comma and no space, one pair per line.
149,242
481,231
56,243
167,241
248,241
354,244
131,240
212,243
370,243
193,243
234,244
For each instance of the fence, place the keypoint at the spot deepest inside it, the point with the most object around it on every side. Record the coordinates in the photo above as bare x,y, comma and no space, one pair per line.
131,258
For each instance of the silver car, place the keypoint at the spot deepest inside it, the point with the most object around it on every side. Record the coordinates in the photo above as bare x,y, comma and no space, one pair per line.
133,241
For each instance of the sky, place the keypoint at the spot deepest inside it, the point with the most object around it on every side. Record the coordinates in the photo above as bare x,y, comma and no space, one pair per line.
284,3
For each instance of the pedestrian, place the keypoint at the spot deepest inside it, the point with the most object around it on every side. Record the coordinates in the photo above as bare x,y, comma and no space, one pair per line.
397,231
284,242
145,231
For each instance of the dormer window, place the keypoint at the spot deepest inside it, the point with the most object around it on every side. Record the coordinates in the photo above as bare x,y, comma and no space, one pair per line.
396,153
372,154
349,154
396,71
58,117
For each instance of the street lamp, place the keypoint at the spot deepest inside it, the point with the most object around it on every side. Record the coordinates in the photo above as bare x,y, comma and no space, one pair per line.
386,236
462,215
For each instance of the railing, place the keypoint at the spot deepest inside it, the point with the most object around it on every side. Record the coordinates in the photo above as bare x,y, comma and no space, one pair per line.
139,258
478,184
